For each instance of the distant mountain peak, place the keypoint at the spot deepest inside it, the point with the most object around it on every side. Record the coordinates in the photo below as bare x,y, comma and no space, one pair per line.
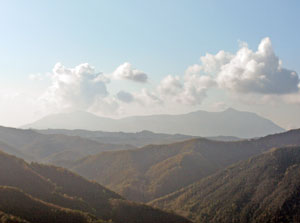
230,109
200,123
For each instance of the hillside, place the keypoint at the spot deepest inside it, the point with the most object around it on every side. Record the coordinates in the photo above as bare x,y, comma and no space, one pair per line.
137,139
41,193
153,171
13,151
7,218
20,204
200,123
265,188
33,146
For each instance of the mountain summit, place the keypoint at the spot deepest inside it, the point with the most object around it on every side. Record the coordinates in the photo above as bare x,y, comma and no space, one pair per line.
229,122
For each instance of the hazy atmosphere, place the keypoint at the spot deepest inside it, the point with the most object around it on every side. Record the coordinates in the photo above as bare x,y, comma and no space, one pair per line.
118,59
161,111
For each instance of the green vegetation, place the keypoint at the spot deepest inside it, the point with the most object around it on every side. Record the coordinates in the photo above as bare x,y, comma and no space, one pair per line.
157,170
74,185
41,194
193,178
265,188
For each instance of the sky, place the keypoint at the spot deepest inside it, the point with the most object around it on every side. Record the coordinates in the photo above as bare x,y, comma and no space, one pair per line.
122,58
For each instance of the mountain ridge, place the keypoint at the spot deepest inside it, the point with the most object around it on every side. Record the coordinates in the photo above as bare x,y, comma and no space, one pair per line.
152,171
264,188
199,123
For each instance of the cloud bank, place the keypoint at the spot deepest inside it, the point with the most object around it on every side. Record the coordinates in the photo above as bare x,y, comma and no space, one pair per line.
258,75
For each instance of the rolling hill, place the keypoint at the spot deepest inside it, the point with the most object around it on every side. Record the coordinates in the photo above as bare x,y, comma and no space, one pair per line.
63,147
265,188
200,123
153,171
41,194
54,148
137,139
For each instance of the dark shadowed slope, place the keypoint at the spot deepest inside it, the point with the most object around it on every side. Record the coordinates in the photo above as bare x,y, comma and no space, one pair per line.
8,218
156,170
41,193
201,123
18,203
265,188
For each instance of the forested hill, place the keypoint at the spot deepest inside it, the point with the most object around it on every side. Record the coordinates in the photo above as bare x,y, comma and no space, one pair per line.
40,194
265,188
153,171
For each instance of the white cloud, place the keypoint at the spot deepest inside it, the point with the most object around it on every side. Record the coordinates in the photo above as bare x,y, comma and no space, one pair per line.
256,76
74,88
148,98
258,72
127,72
212,63
170,86
195,88
247,72
107,106
125,96
191,90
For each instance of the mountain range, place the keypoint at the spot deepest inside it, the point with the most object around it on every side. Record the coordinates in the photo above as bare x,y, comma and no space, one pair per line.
200,123
55,148
153,171
204,180
60,147
137,139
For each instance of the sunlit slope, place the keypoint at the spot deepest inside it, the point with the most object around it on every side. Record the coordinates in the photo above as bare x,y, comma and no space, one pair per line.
265,188
41,193
156,170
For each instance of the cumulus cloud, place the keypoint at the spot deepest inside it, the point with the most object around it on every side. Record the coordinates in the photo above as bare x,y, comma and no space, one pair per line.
249,74
74,88
127,72
125,96
106,106
195,88
148,98
246,71
191,90
212,63
170,86
258,72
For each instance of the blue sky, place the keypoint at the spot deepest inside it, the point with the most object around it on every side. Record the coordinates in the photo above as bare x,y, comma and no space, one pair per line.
156,37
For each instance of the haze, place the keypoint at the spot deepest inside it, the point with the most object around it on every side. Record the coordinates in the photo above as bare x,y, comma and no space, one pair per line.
149,111
118,59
